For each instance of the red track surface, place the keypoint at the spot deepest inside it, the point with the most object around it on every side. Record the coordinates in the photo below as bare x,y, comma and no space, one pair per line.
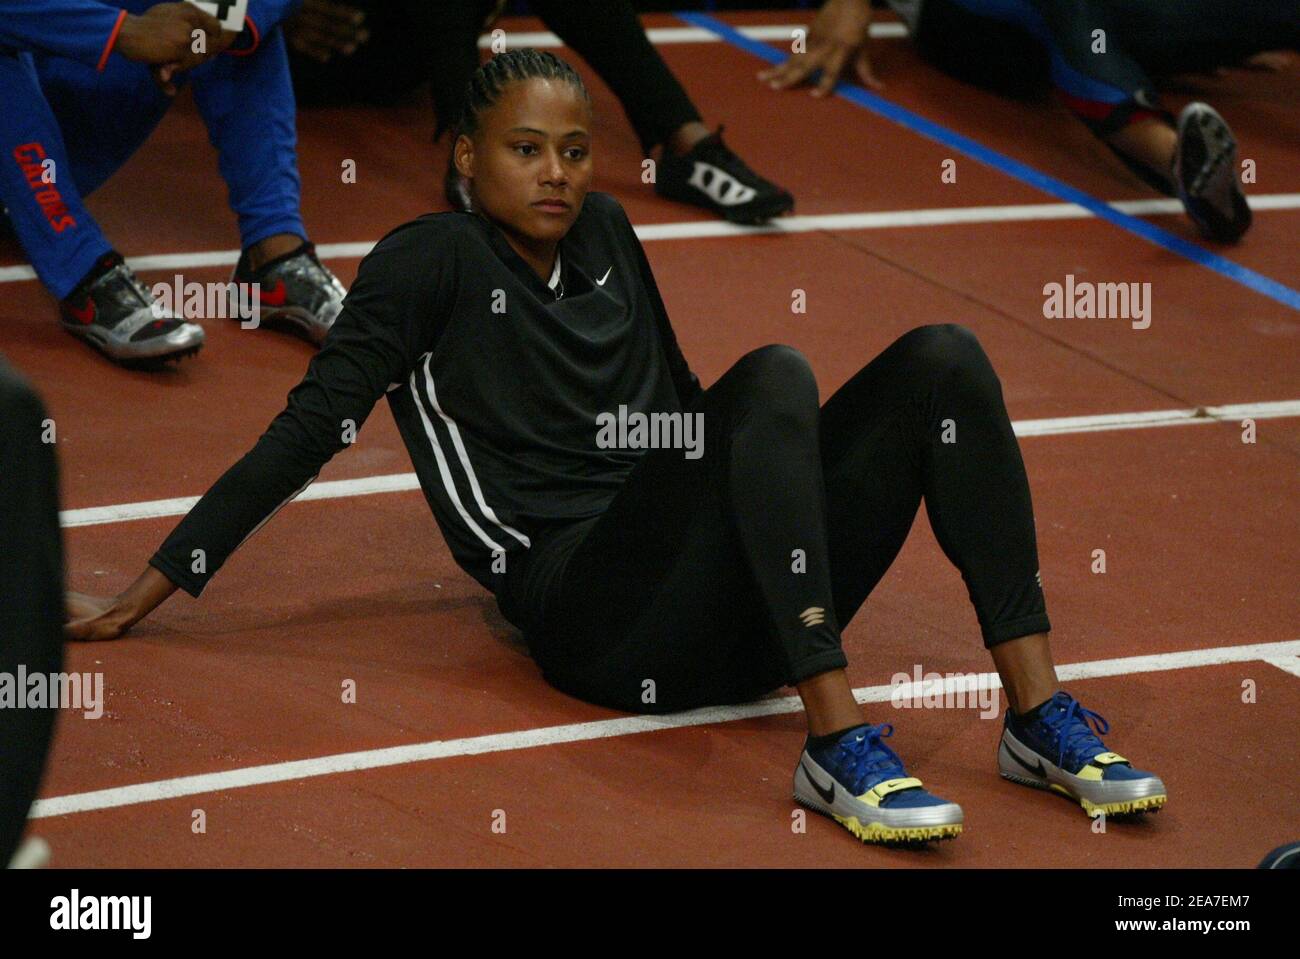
1200,530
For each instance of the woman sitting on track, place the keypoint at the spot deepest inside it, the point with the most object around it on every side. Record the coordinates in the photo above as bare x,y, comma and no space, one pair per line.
508,340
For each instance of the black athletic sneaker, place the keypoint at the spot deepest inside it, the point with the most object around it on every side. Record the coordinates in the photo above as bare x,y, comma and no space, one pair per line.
295,288
712,177
115,313
1205,171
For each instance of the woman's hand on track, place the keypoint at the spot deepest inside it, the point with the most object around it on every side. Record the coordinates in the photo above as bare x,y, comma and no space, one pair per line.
838,36
94,617
108,617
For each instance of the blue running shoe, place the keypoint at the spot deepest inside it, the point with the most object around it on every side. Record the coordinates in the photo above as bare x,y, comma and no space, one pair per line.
1059,751
860,783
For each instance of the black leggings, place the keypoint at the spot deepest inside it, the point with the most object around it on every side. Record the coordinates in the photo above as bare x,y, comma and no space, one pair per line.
436,40
701,584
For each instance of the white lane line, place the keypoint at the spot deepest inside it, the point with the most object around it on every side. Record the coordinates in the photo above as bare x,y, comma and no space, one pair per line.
1156,418
401,482
1290,664
707,229
665,35
586,732
152,509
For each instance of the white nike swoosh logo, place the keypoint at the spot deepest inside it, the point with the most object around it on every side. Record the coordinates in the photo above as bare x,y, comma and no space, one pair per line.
601,281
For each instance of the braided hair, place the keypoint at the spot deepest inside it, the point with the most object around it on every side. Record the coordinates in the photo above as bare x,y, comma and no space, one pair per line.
491,79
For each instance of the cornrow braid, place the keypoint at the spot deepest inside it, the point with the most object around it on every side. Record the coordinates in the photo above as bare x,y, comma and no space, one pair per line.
491,79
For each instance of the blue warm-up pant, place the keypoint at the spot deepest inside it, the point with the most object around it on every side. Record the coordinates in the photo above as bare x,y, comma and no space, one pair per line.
89,124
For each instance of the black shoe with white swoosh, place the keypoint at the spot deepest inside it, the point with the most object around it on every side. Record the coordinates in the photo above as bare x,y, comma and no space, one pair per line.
713,177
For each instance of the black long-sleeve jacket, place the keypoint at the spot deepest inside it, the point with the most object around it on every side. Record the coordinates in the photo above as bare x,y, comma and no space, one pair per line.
495,384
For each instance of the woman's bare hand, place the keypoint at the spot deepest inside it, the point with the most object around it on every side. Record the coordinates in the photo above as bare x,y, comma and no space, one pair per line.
838,36
93,617
108,617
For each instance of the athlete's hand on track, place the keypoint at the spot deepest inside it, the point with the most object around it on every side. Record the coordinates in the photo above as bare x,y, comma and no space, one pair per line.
322,29
108,617
838,37
94,617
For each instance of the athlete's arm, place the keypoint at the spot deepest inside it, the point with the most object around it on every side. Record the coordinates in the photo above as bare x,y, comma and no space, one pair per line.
390,316
89,31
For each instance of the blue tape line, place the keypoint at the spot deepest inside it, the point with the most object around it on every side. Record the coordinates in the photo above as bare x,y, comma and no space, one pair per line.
1014,168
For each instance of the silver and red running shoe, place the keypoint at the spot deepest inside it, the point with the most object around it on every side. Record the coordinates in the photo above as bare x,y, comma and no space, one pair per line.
1206,174
115,313
295,289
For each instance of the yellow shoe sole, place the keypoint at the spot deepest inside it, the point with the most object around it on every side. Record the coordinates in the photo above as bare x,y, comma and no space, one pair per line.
880,834
1132,807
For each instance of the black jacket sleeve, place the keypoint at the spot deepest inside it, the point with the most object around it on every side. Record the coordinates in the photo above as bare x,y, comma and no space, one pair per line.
686,382
392,314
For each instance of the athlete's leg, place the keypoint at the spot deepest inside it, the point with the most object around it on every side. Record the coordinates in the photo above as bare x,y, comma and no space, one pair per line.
998,54
706,576
1199,35
248,106
1090,46
105,116
928,412
926,419
736,524
38,183
608,35
1088,60
247,103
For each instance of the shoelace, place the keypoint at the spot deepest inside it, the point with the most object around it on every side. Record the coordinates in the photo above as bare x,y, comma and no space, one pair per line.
136,284
1075,731
128,282
868,755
